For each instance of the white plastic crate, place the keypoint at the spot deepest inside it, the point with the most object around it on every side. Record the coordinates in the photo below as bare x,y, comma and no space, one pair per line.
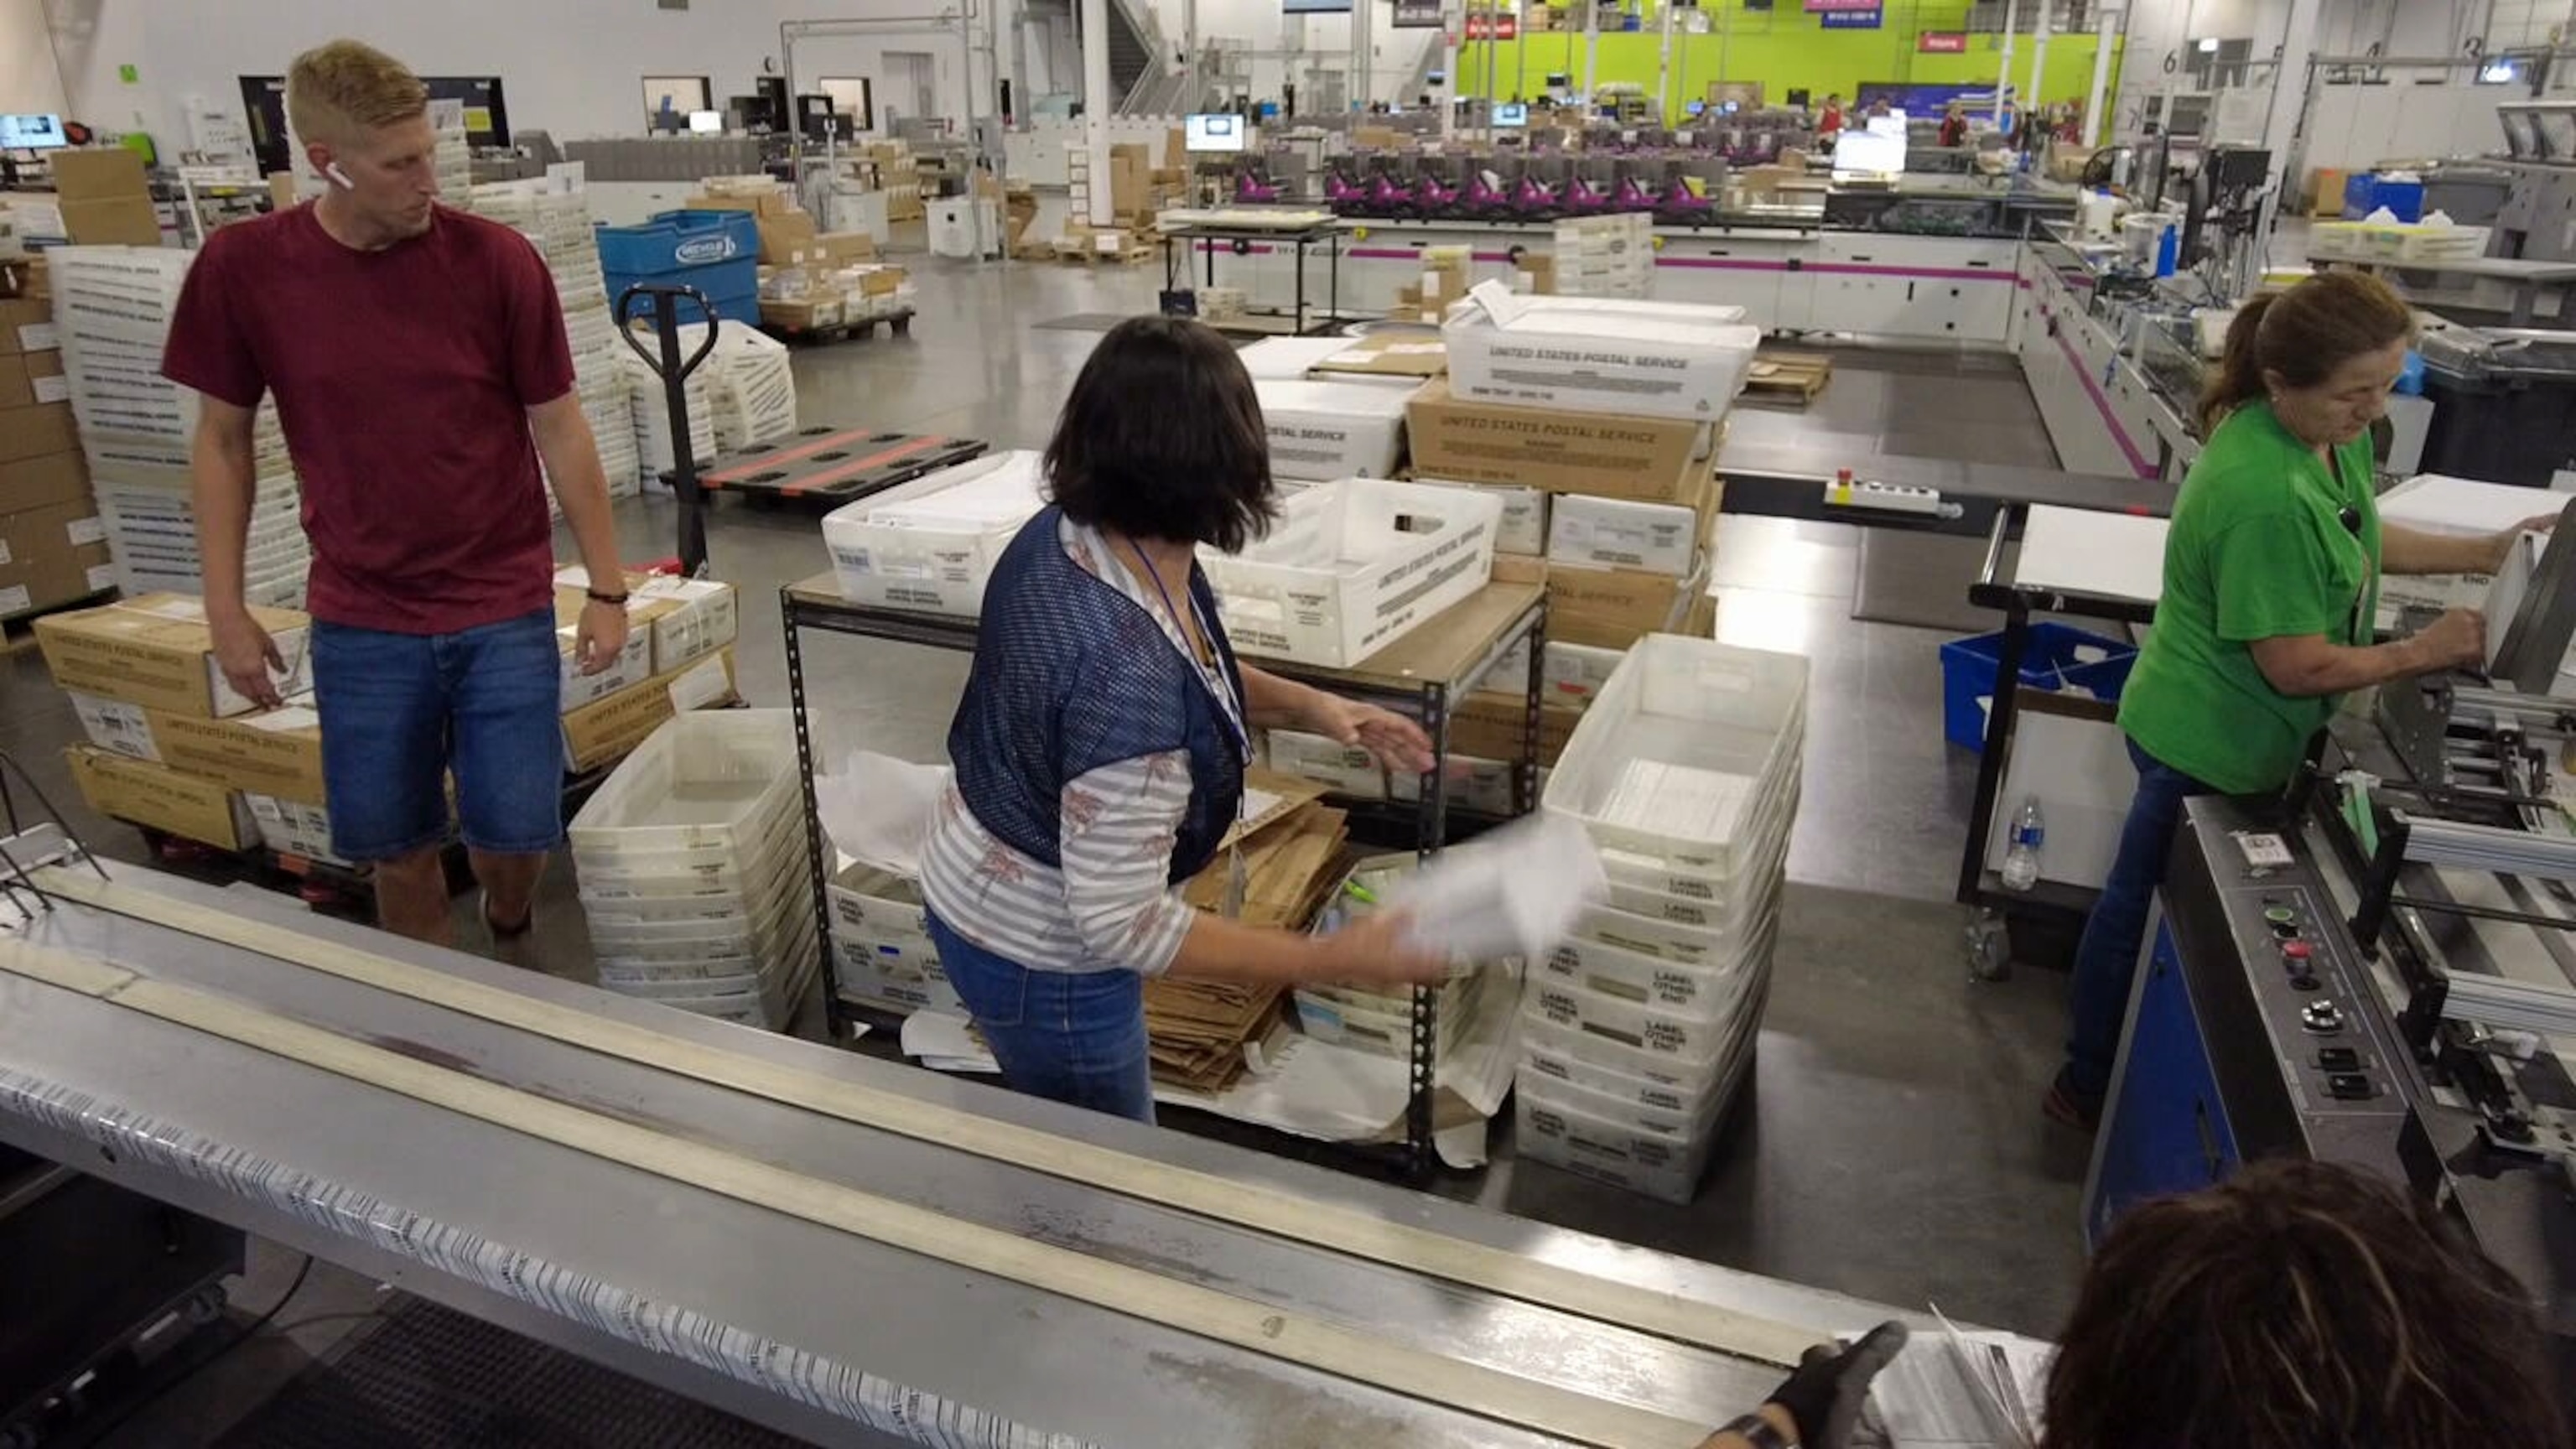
705,781
1339,429
931,544
671,874
1353,566
1570,1058
1689,1079
1707,990
683,891
1383,1033
1686,1126
1665,360
1659,1167
1672,759
1693,1044
1719,918
750,928
1665,940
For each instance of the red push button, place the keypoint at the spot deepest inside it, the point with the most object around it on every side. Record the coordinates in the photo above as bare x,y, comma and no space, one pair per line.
2294,950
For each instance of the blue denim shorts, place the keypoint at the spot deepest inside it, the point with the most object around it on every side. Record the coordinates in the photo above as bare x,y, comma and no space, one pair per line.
401,711
1076,1037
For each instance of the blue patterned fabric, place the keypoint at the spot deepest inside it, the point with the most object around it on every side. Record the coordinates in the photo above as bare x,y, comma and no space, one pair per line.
1071,675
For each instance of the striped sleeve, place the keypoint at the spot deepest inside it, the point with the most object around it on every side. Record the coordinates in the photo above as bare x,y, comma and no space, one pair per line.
1118,827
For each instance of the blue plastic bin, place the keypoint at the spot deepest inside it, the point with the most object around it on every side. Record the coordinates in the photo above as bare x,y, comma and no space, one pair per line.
2366,193
2049,661
674,240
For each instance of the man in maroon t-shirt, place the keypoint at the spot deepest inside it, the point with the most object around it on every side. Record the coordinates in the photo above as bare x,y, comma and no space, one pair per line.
418,362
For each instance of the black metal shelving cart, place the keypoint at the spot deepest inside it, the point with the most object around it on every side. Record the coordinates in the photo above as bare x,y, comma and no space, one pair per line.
1422,674
1209,238
2022,594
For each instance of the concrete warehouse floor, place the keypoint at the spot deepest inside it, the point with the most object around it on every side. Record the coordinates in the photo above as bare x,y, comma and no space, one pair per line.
1892,1145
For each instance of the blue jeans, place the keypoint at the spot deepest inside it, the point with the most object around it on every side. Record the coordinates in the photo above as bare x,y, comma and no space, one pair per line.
400,711
1076,1037
2106,959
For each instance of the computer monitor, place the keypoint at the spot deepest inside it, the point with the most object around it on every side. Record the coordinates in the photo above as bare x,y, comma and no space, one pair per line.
1695,108
1219,133
31,133
706,123
1511,115
1436,78
1558,80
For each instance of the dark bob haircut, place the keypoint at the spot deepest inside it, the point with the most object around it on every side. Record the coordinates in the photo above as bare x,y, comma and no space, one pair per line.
2298,1306
1162,439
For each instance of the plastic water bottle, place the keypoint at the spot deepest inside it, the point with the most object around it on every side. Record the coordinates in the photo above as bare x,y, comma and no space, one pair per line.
2021,862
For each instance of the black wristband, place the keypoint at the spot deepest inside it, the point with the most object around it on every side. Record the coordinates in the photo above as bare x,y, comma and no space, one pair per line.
597,597
1757,1431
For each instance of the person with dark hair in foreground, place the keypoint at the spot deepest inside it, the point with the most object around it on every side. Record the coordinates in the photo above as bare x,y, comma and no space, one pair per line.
1106,725
2298,1306
2271,584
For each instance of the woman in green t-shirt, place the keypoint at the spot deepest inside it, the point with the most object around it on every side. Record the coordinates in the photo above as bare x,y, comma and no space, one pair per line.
2271,579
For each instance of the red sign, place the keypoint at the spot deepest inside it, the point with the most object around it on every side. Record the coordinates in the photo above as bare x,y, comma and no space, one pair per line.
1493,27
1942,42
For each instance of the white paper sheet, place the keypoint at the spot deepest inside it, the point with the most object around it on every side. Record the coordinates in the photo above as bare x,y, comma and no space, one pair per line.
2115,555
879,809
1514,892
1960,1390
2437,503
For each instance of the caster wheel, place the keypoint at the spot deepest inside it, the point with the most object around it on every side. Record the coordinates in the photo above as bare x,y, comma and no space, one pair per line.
1989,948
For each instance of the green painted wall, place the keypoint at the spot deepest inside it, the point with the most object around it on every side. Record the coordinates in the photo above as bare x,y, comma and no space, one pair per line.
1786,48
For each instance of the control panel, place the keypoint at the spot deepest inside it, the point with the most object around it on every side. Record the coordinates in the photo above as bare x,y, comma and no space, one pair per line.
2306,982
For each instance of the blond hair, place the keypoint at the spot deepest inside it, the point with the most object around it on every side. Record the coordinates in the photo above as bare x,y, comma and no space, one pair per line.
336,91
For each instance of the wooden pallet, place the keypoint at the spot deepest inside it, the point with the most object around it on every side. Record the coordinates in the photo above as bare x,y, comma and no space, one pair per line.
897,324
1136,255
1789,378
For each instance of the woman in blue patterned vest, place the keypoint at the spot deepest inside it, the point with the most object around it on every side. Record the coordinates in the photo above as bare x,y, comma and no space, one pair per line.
1102,740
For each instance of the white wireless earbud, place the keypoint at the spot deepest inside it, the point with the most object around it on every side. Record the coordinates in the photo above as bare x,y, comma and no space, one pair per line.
339,177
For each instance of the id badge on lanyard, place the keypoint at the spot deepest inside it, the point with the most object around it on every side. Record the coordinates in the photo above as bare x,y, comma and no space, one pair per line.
1238,876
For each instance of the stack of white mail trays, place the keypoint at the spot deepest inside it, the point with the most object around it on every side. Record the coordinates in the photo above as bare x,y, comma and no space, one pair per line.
1637,1031
113,307
554,213
694,873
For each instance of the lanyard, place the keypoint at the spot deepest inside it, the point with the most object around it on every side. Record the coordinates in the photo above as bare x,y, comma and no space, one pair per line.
1223,687
1238,879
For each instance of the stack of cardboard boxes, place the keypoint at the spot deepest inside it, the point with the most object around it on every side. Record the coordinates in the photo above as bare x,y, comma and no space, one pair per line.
832,279
1606,256
784,226
1615,510
53,545
105,199
1138,191
112,308
897,173
174,747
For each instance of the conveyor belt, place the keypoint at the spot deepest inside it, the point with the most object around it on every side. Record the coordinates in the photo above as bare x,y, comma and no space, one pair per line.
738,1296
1314,1223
